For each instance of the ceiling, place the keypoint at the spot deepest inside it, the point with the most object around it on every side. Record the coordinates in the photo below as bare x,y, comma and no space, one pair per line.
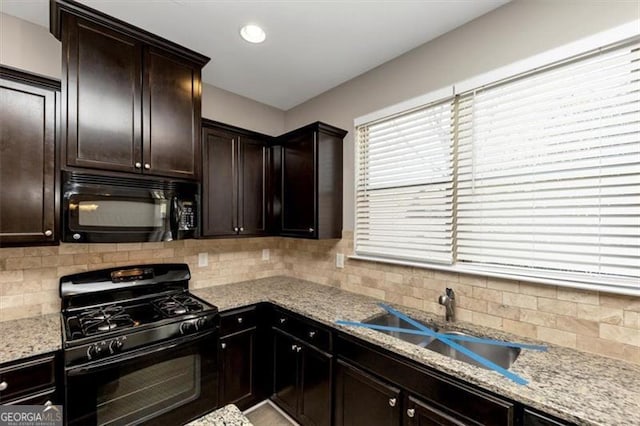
311,46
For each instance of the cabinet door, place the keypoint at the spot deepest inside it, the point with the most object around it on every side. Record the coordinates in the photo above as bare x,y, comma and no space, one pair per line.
219,184
237,367
419,413
171,126
285,372
362,399
315,387
299,186
27,136
531,418
252,199
102,80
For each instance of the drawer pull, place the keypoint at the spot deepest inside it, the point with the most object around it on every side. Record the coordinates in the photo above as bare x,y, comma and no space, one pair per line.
294,347
239,320
48,233
298,348
283,320
4,386
311,334
411,412
392,402
223,345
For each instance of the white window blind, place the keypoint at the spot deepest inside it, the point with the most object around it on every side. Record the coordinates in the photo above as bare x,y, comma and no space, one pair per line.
535,177
405,186
549,170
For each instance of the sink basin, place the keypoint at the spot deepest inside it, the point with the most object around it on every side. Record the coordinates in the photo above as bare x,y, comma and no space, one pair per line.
501,355
391,320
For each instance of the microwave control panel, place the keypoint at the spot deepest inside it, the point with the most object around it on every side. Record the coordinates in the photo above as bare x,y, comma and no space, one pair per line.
187,216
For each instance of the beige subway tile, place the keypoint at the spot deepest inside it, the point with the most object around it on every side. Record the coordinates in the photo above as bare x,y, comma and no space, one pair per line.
542,290
490,295
73,248
605,314
62,260
11,252
152,246
579,296
631,353
413,280
473,280
141,255
451,277
128,246
11,301
600,346
538,317
16,263
520,328
472,304
40,251
393,277
40,273
103,248
119,256
627,303
629,336
20,287
558,337
486,320
503,311
412,302
519,300
18,312
503,284
631,319
578,326
11,276
461,314
68,270
558,307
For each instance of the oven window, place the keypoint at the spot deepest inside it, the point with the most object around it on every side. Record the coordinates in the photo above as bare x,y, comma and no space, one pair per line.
122,213
140,394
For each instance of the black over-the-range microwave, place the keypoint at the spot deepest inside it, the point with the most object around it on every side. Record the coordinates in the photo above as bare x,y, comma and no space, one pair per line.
106,209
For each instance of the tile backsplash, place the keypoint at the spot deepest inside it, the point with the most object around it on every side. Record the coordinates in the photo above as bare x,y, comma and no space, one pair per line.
601,323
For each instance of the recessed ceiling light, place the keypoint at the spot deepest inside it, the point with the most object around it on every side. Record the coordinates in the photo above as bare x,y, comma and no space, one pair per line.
253,33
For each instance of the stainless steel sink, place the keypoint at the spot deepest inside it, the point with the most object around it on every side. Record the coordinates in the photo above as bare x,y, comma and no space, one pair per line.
501,355
390,320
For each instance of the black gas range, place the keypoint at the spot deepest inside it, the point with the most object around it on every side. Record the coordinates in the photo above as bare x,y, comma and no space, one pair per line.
137,346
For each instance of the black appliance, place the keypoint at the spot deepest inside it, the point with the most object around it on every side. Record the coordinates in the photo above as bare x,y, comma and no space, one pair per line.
107,209
138,347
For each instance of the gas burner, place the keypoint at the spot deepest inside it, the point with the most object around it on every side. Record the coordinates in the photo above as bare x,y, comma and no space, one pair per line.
100,320
177,305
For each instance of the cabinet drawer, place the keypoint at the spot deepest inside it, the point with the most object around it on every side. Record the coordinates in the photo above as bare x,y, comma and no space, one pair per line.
237,320
41,398
306,330
27,377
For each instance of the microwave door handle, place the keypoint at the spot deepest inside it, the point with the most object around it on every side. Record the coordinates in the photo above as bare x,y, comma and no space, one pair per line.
79,371
174,217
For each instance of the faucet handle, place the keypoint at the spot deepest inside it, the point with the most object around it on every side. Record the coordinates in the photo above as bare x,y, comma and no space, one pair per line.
450,293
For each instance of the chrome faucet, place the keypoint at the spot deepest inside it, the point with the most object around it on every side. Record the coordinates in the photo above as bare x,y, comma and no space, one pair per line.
448,300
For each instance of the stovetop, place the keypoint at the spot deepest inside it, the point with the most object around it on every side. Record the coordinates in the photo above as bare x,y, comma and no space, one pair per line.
128,316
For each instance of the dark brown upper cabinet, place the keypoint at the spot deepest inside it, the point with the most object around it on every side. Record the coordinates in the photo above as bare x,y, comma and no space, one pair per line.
131,100
27,159
310,193
235,181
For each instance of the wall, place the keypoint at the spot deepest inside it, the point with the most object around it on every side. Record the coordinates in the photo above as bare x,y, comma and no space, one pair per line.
512,32
32,48
29,276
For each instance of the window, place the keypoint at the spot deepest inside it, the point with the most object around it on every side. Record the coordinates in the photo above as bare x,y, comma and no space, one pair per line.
534,177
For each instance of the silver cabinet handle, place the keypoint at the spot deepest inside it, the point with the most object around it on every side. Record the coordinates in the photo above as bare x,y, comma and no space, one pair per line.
392,402
4,386
294,347
298,348
48,403
312,333
223,345
239,320
311,229
138,165
411,412
241,229
48,233
235,229
147,166
282,320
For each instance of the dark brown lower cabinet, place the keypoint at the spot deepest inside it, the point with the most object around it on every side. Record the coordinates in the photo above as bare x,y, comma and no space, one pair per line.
237,367
362,399
531,418
301,380
420,413
31,381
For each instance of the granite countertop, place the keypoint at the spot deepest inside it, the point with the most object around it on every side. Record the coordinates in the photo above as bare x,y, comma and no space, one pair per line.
228,415
576,386
29,336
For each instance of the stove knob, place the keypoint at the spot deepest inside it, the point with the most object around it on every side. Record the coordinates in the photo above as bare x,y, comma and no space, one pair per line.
202,323
116,345
97,350
187,327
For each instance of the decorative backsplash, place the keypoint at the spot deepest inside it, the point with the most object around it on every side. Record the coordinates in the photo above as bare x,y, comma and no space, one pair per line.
601,323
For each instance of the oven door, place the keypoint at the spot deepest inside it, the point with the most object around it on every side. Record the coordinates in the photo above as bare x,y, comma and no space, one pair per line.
170,383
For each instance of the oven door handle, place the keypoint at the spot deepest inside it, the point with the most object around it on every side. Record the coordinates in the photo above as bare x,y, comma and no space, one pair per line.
78,371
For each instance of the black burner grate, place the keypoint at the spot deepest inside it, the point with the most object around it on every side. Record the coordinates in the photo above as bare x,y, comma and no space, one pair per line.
100,320
172,306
